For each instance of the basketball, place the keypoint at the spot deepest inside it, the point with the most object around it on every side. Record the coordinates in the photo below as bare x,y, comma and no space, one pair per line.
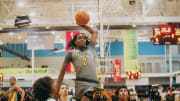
82,17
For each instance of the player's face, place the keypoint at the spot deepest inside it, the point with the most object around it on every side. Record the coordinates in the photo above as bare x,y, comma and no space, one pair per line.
63,90
80,40
123,92
12,81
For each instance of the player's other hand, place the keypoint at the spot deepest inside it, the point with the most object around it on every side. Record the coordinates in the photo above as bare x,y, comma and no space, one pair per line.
56,95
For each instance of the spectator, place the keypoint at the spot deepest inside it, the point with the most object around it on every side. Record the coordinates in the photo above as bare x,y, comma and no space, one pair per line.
140,92
43,89
163,95
71,92
27,95
122,94
160,89
143,94
63,92
176,92
152,94
147,94
3,98
157,95
113,96
170,96
132,95
13,91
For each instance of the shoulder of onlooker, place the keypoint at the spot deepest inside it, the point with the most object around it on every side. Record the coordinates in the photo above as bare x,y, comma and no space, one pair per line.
51,99
15,87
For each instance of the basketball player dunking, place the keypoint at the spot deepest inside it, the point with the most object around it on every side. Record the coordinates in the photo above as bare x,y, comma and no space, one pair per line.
82,55
13,90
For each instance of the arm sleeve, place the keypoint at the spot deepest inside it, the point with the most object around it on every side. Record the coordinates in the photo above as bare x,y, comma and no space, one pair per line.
92,44
68,57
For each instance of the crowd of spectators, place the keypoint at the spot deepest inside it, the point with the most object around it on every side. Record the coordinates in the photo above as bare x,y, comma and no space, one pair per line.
28,95
120,94
158,94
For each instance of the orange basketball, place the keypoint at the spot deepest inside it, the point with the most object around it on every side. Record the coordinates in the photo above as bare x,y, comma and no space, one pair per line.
82,17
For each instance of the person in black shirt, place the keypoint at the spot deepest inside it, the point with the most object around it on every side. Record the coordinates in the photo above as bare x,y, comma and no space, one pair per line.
147,94
113,96
157,96
140,92
152,94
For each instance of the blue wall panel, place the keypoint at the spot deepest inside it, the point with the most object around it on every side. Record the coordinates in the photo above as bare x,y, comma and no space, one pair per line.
144,48
147,48
117,48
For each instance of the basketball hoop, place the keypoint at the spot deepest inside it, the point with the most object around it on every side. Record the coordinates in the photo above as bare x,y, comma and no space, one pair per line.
103,72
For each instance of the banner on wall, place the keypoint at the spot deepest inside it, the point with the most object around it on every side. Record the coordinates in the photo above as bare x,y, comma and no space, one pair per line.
130,50
117,71
16,71
69,37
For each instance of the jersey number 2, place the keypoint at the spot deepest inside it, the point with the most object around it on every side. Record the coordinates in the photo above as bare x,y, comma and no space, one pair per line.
84,61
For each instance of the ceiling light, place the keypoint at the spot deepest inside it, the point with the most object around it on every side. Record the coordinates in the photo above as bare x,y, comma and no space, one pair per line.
19,37
32,14
53,32
11,33
47,27
150,1
133,25
20,4
132,2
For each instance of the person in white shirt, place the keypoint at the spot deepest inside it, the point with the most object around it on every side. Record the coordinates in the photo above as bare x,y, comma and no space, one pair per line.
163,95
160,89
63,92
132,95
176,92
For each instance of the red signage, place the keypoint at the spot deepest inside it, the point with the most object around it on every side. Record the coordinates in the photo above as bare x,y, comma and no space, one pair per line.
133,75
166,30
69,37
1,79
177,31
117,71
166,35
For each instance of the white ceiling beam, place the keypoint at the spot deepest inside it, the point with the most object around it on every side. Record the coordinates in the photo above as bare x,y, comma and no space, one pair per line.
2,3
141,20
106,20
146,11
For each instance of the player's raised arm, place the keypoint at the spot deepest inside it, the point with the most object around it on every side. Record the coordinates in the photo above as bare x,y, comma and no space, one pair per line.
62,72
93,32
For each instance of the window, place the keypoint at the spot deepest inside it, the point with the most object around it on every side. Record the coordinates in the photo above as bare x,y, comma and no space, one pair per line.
178,49
157,68
142,67
149,68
